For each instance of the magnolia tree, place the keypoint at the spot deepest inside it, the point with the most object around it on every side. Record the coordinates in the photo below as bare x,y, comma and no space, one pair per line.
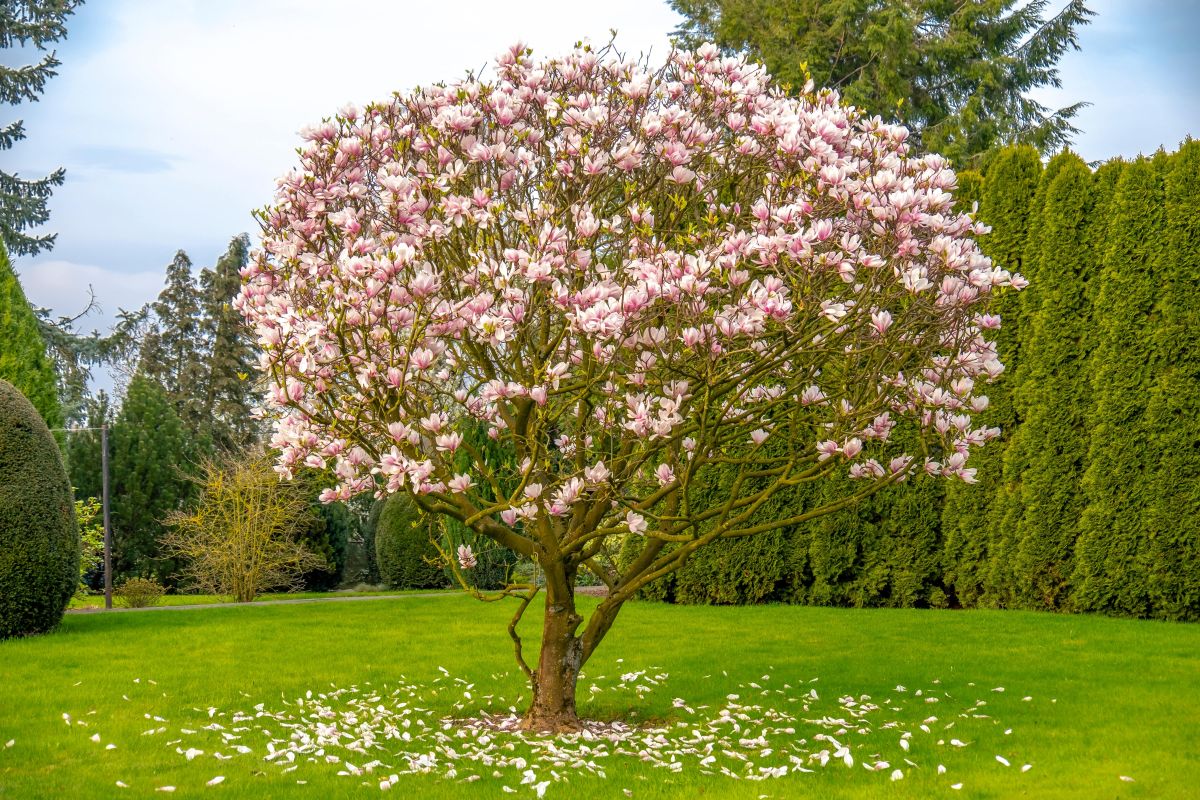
636,279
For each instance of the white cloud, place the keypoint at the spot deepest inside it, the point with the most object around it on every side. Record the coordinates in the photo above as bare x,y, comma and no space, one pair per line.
213,92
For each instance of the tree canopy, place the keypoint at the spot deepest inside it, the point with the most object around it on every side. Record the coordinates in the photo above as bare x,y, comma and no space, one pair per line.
957,74
633,278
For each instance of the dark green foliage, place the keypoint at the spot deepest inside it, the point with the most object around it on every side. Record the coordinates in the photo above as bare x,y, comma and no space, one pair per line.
173,352
733,572
39,536
1117,483
28,25
1005,205
494,563
957,74
404,547
151,459
369,527
23,359
328,536
231,362
1006,507
1045,460
1169,563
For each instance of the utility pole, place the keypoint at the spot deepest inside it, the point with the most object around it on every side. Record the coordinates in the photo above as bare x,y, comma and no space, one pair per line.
107,524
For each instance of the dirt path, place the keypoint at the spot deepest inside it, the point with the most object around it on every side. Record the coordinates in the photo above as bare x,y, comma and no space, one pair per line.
270,602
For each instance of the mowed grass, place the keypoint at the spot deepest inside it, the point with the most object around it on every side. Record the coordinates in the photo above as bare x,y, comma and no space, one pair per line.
1108,698
97,601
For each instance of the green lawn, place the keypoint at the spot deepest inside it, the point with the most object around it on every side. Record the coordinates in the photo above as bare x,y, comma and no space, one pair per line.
1085,701
97,601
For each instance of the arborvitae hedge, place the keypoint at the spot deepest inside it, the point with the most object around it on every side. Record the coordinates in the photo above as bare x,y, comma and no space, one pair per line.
1169,563
1121,459
1005,508
39,537
1005,205
23,359
1045,459
1089,501
403,548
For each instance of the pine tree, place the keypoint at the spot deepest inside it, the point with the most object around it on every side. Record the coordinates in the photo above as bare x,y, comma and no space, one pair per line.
957,74
152,455
232,361
173,351
1005,204
1170,561
23,203
1120,459
23,359
1006,508
1045,460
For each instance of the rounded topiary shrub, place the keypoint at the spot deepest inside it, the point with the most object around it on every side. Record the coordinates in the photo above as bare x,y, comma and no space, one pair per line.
39,537
404,551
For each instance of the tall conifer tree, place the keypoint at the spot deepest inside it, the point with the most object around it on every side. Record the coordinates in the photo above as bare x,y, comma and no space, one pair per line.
1170,561
1008,193
958,74
232,362
1005,507
152,456
23,203
173,351
23,359
1121,459
1045,460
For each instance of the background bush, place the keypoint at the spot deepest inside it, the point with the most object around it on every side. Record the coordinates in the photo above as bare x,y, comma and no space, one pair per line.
140,592
404,550
39,537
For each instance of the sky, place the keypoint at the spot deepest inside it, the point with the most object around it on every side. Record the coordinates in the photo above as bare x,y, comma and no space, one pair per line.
173,117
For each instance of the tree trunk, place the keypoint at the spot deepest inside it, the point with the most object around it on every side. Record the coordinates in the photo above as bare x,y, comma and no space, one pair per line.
553,682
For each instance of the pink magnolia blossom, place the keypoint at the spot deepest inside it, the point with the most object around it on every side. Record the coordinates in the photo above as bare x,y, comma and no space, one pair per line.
466,556
454,257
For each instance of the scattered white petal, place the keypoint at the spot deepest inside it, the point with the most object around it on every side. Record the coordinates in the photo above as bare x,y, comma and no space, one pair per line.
1127,779
1003,761
897,774
215,781
956,786
122,785
1026,768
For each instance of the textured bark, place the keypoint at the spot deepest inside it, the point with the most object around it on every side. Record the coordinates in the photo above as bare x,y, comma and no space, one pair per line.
553,706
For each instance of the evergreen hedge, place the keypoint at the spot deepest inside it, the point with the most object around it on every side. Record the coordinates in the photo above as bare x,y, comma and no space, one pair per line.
971,569
1169,563
39,536
1089,500
1117,482
1044,462
404,550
